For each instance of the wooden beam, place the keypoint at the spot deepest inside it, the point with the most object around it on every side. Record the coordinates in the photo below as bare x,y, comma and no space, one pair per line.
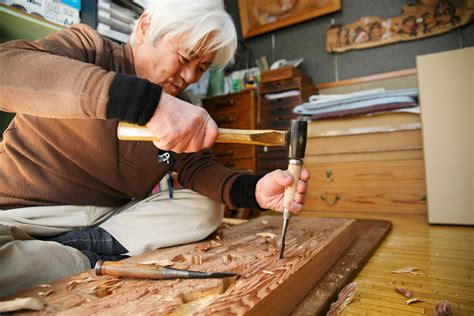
266,285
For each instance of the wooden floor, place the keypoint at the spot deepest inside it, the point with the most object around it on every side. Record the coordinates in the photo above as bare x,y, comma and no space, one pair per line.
444,256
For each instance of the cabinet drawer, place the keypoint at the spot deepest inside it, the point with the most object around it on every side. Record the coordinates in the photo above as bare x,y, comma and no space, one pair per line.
281,123
240,119
230,103
284,85
233,151
396,186
278,107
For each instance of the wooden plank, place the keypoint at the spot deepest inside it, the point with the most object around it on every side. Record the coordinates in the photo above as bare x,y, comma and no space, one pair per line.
369,236
266,285
365,143
376,77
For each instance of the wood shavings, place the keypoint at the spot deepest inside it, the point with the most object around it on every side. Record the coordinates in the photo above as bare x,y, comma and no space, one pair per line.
102,292
108,283
226,259
266,234
207,246
413,300
196,260
43,285
161,263
202,247
264,222
83,276
344,298
179,258
219,235
408,294
443,308
168,299
268,272
45,293
405,292
215,243
411,270
21,303
106,288
72,284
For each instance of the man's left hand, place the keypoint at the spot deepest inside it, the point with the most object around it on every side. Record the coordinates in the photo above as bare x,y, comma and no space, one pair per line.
270,190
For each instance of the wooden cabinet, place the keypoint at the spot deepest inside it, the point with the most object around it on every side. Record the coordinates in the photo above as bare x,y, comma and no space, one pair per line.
371,171
236,110
276,111
392,186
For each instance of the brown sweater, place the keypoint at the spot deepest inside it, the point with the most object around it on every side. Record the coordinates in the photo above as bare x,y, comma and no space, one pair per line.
69,91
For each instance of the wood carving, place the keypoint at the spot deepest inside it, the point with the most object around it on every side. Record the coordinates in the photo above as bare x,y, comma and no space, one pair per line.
261,16
427,18
266,285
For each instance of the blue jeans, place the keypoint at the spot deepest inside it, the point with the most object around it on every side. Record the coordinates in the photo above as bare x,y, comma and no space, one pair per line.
96,243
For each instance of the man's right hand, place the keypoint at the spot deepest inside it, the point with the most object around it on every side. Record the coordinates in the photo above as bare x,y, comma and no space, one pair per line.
181,126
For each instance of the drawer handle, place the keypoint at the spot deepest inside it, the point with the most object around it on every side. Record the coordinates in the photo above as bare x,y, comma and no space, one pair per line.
329,175
225,153
219,105
328,202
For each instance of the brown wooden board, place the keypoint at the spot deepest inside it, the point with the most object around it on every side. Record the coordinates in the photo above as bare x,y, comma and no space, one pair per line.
266,284
369,235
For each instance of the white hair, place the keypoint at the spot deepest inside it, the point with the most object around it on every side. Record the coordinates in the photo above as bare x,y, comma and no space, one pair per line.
196,20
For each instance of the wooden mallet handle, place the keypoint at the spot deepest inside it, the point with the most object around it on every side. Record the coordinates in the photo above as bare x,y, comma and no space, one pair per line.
127,131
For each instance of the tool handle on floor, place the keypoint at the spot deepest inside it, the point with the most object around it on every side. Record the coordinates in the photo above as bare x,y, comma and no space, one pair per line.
127,131
132,270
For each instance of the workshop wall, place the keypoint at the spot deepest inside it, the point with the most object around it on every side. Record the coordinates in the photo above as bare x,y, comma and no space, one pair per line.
308,40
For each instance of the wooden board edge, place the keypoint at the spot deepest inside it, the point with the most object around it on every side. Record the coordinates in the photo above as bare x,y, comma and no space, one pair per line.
280,302
318,301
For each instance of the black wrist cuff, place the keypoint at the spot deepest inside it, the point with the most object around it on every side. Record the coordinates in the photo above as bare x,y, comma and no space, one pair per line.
132,99
243,191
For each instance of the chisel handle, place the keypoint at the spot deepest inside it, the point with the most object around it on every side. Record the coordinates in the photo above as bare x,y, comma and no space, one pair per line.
294,167
131,270
127,131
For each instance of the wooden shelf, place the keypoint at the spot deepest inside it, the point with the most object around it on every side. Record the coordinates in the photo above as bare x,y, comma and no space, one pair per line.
15,24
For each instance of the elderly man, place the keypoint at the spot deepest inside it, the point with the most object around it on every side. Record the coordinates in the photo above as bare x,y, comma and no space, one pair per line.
72,193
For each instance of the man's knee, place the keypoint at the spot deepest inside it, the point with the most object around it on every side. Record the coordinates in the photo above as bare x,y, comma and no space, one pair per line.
46,261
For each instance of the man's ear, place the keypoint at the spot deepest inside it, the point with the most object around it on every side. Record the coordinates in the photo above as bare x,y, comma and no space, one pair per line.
143,25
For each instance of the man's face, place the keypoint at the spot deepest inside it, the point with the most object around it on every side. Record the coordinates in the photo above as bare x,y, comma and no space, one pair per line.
166,64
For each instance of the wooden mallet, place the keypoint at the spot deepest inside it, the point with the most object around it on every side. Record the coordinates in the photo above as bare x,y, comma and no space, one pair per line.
295,138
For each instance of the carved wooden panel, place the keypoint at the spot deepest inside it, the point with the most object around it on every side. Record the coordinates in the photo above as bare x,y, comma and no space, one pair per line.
266,285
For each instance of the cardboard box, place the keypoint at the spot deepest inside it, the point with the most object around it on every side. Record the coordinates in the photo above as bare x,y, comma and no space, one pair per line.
58,12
